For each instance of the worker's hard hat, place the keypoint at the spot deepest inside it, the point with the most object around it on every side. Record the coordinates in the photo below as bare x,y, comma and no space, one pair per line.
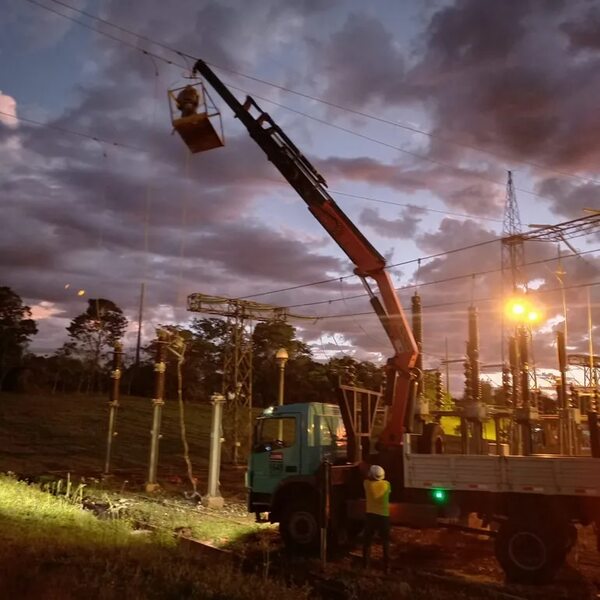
376,472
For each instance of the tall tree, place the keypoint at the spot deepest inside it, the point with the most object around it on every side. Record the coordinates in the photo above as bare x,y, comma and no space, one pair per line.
348,370
95,331
16,327
207,354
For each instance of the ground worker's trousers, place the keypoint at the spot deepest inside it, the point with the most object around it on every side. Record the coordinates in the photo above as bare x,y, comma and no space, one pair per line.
380,525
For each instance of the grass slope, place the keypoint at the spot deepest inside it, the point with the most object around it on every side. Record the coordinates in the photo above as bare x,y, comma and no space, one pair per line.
41,434
51,550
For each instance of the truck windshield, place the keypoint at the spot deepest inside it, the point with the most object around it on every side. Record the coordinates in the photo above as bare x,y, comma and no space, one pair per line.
277,432
331,432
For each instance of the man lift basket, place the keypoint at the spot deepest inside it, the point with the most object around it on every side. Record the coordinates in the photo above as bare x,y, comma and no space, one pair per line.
196,118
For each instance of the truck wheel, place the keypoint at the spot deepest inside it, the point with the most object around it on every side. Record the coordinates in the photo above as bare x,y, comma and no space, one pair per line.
530,550
299,527
431,441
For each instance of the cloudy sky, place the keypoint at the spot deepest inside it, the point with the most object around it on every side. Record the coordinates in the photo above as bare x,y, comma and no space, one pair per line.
413,111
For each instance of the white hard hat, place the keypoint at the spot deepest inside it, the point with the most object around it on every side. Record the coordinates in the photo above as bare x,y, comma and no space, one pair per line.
376,472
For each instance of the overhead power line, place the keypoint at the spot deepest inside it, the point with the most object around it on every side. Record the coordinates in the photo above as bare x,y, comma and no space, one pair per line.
94,138
399,264
364,114
100,140
322,121
439,281
457,302
182,54
408,205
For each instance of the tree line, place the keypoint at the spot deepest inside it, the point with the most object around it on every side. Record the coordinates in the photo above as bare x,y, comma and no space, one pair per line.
82,363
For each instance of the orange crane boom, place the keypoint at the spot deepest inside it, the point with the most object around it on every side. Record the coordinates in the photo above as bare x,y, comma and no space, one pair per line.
369,264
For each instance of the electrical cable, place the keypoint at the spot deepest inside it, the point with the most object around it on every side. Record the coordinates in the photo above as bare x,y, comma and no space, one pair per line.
120,40
363,136
339,193
289,288
435,282
407,205
72,132
399,264
323,101
322,121
462,301
320,282
424,283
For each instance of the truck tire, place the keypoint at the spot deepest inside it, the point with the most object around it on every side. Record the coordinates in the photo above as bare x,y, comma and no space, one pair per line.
531,550
431,441
299,527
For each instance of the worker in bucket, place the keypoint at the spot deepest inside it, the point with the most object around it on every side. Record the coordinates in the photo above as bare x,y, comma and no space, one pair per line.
377,493
187,101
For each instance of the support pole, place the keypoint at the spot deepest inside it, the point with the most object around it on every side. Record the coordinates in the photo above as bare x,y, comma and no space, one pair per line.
513,361
594,434
140,323
160,368
475,411
527,412
421,405
565,428
213,498
325,509
113,403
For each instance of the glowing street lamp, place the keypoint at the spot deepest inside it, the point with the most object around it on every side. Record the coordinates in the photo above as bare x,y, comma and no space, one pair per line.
522,311
281,357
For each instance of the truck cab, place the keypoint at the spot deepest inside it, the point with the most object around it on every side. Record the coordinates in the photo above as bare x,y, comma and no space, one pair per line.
290,443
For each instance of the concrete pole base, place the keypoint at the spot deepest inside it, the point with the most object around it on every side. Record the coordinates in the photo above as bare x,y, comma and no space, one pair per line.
152,487
213,501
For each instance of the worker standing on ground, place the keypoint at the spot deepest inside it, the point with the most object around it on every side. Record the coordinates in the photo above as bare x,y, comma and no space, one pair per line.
377,492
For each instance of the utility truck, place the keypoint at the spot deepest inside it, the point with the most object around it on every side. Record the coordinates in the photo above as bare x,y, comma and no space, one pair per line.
305,465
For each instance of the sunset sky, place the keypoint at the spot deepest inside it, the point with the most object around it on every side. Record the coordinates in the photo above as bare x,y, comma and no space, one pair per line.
412,110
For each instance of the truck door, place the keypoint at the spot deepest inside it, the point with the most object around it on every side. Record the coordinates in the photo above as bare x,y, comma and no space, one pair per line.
276,452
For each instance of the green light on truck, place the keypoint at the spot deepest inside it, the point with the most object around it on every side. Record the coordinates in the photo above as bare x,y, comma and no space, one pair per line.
439,496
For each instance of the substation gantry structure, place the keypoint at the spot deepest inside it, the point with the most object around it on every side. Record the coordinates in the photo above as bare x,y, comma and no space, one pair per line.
237,364
516,383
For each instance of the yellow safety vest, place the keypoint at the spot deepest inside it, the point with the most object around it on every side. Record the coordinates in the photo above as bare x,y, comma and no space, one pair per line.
378,497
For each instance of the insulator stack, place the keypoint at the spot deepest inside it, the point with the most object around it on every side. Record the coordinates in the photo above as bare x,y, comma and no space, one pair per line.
473,354
417,327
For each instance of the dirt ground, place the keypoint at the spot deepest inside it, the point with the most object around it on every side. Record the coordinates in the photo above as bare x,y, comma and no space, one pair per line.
452,558
57,436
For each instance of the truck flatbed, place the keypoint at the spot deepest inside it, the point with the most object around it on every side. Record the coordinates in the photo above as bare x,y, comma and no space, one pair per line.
539,474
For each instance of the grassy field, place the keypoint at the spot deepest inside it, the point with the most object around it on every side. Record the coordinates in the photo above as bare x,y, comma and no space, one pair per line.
42,434
51,549
54,550
63,434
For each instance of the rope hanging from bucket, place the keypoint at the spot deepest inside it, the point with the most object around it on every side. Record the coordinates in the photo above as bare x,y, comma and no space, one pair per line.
177,347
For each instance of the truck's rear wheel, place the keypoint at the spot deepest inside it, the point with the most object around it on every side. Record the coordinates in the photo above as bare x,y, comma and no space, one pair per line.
531,550
299,526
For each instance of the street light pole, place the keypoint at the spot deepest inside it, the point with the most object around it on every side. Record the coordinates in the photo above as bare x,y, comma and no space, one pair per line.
281,357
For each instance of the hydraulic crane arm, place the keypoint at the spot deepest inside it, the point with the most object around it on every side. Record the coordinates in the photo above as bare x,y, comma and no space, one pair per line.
311,187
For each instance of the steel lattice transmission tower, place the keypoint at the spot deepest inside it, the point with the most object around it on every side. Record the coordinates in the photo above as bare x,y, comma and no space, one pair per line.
237,367
513,252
